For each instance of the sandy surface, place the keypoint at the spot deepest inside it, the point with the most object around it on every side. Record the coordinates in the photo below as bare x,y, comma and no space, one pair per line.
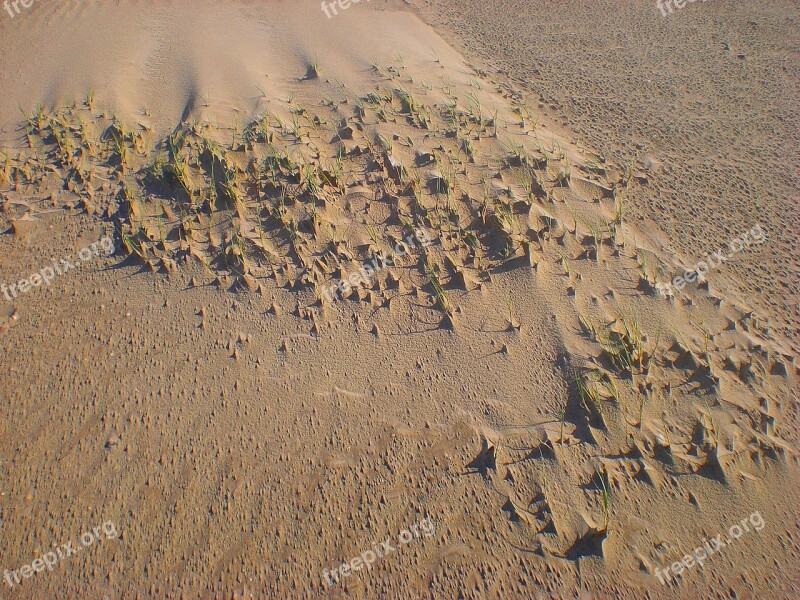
517,404
707,96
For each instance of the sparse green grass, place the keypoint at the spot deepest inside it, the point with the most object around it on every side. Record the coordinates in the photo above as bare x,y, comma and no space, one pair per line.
438,290
5,168
605,498
468,147
627,175
625,348
384,144
380,71
642,398
619,208
524,112
269,163
505,221
450,114
647,266
475,110
587,391
258,130
597,232
564,175
533,183
517,154
372,231
89,101
556,150
309,179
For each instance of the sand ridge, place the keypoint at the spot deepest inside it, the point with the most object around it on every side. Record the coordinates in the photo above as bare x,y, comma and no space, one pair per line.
528,382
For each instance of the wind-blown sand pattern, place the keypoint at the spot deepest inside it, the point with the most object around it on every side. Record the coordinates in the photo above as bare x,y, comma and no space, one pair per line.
531,380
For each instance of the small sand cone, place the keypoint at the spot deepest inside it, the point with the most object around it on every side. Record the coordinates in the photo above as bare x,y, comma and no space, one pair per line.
390,303
402,288
345,133
531,254
730,363
250,283
489,455
274,309
394,167
297,312
376,331
23,225
746,372
779,368
464,281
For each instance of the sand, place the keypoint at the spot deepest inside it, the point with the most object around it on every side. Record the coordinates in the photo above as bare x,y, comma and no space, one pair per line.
517,397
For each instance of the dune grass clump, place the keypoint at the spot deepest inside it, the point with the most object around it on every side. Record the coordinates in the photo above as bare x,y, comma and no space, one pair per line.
623,345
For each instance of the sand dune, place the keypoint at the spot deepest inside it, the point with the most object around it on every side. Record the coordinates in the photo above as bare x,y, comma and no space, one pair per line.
179,58
366,292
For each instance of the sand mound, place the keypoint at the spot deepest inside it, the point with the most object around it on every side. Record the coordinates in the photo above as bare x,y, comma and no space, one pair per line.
361,172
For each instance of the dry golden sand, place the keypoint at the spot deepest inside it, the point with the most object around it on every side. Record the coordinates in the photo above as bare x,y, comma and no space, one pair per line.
521,382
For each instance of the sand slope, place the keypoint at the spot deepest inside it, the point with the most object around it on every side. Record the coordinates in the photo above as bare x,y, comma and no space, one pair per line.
526,381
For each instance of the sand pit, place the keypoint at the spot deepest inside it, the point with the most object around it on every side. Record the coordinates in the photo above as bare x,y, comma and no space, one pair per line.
364,294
